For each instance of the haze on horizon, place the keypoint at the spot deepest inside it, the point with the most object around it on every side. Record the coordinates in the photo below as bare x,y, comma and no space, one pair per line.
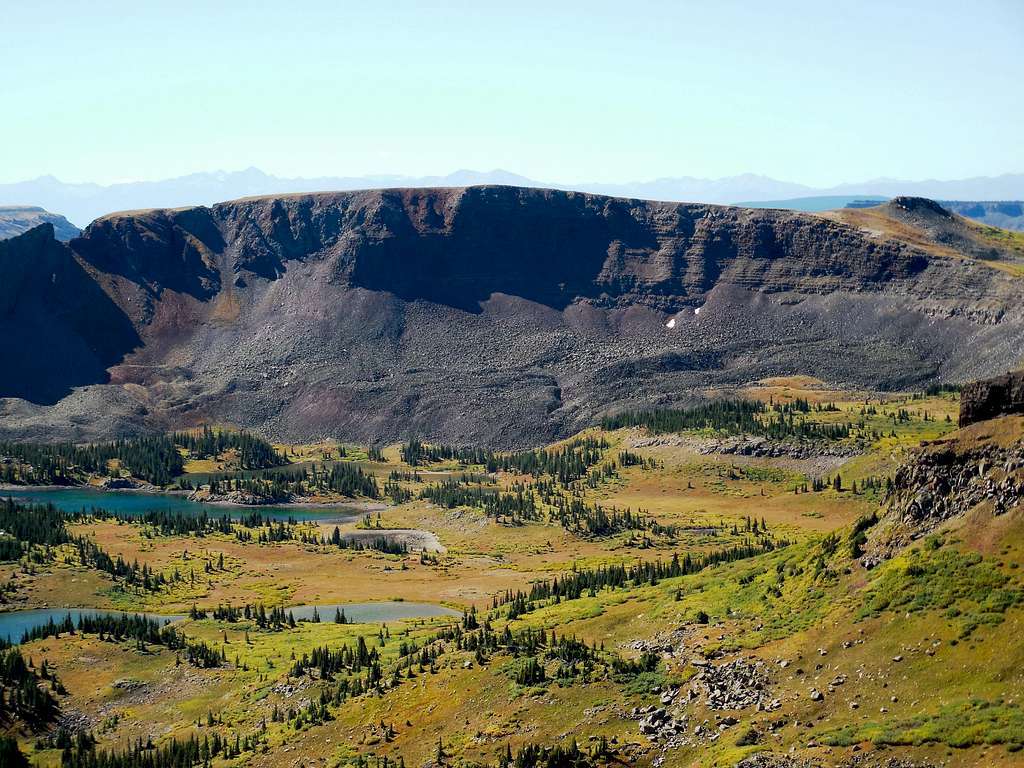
567,92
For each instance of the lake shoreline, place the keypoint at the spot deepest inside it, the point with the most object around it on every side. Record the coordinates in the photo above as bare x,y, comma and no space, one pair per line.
15,622
359,505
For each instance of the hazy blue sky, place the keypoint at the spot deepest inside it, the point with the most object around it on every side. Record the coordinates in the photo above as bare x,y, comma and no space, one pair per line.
816,92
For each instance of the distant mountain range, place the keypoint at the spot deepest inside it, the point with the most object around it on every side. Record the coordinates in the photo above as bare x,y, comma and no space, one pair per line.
82,203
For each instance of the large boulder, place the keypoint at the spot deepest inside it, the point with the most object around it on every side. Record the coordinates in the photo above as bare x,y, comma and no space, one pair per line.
989,398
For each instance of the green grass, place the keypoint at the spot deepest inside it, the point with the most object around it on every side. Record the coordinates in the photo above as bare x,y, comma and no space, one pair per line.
968,589
963,724
951,614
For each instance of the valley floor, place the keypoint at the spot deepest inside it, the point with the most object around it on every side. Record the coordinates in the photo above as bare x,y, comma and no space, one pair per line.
729,614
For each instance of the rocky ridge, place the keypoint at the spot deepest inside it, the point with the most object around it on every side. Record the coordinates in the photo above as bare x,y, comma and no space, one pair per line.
490,315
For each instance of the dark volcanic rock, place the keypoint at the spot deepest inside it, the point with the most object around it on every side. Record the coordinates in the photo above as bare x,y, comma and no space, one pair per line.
497,315
987,399
61,329
979,470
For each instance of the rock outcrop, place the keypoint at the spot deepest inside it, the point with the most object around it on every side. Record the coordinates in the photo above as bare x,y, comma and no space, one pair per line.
993,397
978,470
497,315
61,328
942,483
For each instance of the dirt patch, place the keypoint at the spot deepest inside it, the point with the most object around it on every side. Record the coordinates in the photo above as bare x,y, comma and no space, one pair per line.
411,538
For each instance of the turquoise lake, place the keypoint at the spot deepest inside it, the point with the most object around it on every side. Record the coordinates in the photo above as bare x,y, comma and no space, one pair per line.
136,503
15,623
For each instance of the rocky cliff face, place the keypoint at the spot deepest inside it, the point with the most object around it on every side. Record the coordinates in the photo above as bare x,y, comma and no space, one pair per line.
993,397
61,329
489,314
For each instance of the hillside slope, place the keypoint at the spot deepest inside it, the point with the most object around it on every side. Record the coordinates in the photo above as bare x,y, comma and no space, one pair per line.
495,315
18,219
927,224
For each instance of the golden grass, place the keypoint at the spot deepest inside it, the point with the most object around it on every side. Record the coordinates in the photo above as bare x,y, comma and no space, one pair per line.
476,709
876,222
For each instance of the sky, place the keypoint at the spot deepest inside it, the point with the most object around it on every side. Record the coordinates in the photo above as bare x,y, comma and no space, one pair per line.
814,92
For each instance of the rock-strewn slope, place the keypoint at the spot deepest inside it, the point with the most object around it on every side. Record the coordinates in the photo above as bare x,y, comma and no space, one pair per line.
489,314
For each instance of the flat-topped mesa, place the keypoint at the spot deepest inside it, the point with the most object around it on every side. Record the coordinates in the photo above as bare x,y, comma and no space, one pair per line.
460,245
987,399
495,315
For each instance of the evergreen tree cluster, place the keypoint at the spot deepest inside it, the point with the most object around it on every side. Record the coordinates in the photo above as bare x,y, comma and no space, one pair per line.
204,656
11,755
630,459
115,628
396,493
22,693
539,756
934,390
416,453
735,417
166,522
275,619
537,651
528,756
565,464
527,503
253,452
513,506
140,577
81,752
872,485
41,524
344,478
329,663
577,516
37,529
154,458
589,582
377,543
